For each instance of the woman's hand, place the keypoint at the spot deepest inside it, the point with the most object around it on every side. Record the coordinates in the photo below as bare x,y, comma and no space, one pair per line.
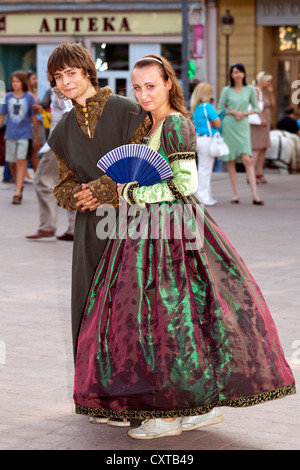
264,122
119,188
239,115
86,199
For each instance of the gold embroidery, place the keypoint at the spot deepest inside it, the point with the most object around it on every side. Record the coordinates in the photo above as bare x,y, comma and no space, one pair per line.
174,189
174,157
88,116
197,410
128,192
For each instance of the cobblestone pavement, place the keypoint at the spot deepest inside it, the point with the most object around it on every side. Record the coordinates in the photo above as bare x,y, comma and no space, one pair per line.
36,365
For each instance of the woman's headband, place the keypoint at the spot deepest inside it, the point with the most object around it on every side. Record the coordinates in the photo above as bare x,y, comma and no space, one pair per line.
150,58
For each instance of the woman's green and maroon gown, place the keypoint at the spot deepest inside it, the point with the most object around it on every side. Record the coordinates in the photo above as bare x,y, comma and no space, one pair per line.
175,326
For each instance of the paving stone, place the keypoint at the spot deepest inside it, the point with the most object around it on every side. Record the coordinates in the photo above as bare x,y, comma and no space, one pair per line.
36,364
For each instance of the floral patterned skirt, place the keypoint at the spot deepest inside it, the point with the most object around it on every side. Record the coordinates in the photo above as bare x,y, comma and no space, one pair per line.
175,324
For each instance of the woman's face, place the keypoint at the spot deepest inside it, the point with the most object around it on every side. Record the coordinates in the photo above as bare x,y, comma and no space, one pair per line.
150,88
33,80
265,83
237,75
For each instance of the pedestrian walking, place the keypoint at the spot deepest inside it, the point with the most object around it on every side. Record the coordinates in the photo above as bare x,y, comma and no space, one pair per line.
207,122
46,177
33,153
260,134
18,106
235,100
173,331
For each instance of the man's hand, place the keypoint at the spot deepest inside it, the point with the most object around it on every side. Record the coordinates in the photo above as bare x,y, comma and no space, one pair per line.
86,199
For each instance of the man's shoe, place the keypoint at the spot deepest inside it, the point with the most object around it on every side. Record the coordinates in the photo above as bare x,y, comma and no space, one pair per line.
194,422
154,428
98,420
121,422
41,234
66,236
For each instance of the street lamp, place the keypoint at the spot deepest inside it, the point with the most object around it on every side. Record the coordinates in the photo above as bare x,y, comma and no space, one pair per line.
227,24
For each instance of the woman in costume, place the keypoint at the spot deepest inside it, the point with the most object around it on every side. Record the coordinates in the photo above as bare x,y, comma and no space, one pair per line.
235,100
175,327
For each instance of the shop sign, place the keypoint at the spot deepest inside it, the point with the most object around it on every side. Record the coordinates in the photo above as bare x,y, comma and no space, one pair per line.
90,24
277,12
198,50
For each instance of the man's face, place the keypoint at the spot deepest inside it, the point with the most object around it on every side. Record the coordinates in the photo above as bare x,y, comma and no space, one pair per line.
74,85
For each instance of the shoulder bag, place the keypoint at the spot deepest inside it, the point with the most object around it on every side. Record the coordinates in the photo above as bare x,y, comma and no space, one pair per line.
218,146
254,119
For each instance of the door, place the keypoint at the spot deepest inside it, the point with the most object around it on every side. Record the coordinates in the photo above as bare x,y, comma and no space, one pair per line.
119,82
287,82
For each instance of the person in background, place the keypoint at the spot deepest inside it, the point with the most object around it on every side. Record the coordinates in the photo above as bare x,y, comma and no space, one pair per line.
260,134
18,106
46,177
288,122
33,153
207,123
235,100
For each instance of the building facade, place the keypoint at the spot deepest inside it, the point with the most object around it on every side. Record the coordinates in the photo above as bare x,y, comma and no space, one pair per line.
265,36
116,33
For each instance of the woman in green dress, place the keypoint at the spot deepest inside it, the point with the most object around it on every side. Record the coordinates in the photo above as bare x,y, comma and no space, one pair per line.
175,326
235,100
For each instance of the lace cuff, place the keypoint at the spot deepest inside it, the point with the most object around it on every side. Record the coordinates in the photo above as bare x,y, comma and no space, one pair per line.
128,192
104,189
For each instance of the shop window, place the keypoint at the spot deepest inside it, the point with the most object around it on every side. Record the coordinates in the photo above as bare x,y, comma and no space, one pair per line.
172,52
289,38
16,57
112,57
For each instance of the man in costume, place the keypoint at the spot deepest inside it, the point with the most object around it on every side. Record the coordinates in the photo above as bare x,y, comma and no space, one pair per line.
99,122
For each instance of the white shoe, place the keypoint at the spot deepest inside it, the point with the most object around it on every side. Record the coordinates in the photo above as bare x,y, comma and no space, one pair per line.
199,421
213,202
121,422
154,428
98,420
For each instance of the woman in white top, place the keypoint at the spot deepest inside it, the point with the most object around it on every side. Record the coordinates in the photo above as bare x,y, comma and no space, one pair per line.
207,122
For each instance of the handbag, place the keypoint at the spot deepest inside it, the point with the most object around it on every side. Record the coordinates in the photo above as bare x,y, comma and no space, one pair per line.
217,146
254,119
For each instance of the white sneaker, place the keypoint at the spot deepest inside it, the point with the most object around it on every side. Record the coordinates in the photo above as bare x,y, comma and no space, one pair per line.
98,420
199,421
154,428
212,202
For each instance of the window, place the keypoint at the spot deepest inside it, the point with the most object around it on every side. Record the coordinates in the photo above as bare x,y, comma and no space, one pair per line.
16,57
289,38
112,57
172,52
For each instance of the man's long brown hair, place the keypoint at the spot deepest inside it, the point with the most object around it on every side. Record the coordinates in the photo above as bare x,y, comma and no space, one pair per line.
74,55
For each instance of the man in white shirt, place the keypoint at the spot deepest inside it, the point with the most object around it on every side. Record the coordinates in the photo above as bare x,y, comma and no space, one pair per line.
46,177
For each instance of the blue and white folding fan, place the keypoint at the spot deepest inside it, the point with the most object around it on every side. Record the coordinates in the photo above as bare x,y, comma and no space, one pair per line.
135,162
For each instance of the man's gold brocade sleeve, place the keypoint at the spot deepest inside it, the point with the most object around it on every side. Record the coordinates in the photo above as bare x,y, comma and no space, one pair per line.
104,189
